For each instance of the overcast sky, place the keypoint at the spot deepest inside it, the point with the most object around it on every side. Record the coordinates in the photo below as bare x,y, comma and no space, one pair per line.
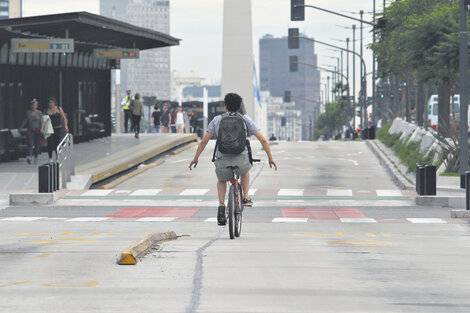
199,24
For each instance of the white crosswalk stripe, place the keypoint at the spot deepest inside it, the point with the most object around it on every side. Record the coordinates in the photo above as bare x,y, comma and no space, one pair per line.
252,191
290,192
87,219
389,193
194,192
146,192
97,192
211,219
358,220
289,220
156,219
339,192
21,219
426,220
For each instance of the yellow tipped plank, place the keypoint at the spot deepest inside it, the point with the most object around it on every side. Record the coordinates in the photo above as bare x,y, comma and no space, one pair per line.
131,255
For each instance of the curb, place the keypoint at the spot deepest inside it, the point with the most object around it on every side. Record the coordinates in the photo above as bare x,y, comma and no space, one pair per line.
460,214
185,147
131,255
127,176
33,198
397,177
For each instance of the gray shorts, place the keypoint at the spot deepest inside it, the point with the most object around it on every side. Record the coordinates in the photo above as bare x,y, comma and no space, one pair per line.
225,174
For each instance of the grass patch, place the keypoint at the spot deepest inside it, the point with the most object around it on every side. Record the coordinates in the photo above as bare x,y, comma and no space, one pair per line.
408,153
450,174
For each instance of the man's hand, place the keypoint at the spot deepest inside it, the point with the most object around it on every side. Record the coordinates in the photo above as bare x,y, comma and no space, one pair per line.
193,162
272,163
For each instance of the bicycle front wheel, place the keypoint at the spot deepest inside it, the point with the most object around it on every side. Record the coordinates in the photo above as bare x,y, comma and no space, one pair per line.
230,212
238,211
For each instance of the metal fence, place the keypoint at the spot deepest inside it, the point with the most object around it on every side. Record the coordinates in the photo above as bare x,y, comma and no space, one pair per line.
65,159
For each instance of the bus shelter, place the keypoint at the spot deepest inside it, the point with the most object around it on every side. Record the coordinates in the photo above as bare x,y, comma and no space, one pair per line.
79,80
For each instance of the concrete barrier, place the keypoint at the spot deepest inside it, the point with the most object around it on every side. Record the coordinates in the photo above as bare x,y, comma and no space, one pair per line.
132,254
33,198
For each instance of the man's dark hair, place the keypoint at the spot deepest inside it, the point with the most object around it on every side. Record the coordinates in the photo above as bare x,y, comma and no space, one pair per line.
233,102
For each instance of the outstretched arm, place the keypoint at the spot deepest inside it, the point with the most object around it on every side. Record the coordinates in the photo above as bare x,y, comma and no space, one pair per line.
200,148
266,148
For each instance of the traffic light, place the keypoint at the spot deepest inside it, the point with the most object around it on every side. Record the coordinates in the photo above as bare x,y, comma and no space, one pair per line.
283,121
287,96
293,63
297,10
293,38
467,5
359,112
404,84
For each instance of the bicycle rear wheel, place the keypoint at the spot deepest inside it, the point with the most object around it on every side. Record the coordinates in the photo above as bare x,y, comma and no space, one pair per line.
238,211
230,212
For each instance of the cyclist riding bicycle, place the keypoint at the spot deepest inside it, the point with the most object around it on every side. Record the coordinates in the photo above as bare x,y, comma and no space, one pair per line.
226,127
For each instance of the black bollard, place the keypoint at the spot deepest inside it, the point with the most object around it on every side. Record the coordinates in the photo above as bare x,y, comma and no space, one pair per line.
420,182
467,189
430,178
45,178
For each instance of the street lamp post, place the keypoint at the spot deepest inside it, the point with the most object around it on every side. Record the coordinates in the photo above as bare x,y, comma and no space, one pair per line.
364,102
463,94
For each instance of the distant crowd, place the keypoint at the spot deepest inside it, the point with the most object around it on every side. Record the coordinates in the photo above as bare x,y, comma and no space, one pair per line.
164,120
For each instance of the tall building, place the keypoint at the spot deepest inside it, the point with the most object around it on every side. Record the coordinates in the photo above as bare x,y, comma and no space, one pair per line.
10,9
276,78
150,75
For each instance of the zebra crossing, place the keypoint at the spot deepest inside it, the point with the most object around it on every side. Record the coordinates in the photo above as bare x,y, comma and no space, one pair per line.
163,219
283,192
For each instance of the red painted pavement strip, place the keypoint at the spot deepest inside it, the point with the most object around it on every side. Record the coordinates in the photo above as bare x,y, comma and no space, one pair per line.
138,212
322,213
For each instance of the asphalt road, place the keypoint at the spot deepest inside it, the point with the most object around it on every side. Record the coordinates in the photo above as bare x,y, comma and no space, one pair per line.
329,233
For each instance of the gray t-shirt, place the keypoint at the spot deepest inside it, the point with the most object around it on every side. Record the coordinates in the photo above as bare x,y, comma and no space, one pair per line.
213,128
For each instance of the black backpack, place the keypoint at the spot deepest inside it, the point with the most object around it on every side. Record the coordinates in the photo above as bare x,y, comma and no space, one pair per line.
231,138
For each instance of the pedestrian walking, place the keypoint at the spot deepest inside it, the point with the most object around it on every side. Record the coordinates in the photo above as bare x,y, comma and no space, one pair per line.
166,118
173,121
59,124
125,105
35,125
379,124
156,117
137,108
180,120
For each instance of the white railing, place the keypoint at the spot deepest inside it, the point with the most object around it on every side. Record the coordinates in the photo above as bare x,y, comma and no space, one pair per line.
65,159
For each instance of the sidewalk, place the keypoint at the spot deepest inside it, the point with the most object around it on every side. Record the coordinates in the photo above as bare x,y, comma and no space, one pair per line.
99,158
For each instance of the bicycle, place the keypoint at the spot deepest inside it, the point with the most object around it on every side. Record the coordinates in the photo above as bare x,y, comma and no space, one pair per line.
234,208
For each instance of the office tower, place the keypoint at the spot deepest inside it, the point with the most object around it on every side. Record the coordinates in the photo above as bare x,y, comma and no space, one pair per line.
149,75
304,84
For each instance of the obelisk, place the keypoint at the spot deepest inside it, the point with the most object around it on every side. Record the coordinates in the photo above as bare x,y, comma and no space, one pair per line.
237,57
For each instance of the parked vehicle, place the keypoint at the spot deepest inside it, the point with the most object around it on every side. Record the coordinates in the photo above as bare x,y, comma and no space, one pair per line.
433,110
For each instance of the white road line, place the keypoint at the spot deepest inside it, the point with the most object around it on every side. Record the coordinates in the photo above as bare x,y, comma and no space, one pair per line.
358,220
339,192
122,191
290,192
252,191
87,219
211,219
289,220
146,192
290,201
21,219
156,219
389,193
194,192
426,220
97,192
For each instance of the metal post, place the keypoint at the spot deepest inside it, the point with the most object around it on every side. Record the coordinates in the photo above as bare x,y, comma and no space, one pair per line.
342,72
354,67
467,190
364,99
374,106
463,93
328,87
